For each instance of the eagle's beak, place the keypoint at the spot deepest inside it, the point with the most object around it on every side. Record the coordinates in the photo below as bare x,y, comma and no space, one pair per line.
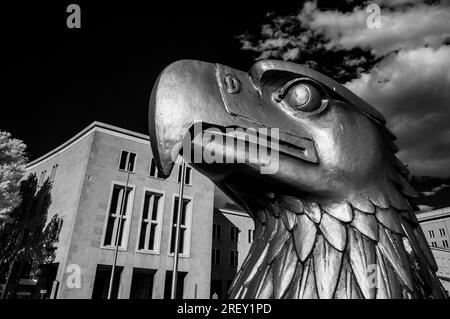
179,97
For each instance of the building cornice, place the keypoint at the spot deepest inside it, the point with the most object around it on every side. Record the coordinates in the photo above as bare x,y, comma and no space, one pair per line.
433,214
95,126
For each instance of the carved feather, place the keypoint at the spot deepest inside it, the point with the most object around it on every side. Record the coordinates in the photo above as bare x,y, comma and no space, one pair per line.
313,211
288,218
291,203
284,269
304,237
362,258
277,242
341,211
333,231
366,224
391,245
327,264
390,218
362,203
265,290
308,286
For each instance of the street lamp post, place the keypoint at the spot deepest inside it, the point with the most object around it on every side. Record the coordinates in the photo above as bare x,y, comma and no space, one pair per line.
177,232
119,227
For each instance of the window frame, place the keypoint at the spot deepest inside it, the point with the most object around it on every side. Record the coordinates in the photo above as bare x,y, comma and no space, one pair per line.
126,230
187,253
152,160
214,256
158,235
188,168
234,257
127,161
218,226
237,234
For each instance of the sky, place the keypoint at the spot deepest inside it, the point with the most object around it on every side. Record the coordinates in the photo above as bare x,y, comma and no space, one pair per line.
401,67
56,80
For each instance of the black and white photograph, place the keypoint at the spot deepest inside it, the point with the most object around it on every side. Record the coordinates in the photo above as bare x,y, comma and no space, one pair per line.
201,154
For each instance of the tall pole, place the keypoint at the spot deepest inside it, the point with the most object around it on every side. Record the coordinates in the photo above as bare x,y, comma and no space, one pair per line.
119,227
177,232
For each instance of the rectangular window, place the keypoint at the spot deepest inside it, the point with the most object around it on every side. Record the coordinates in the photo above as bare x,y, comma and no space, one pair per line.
234,257
127,161
431,233
251,235
234,234
215,257
53,173
154,172
433,244
217,231
184,231
445,243
101,282
142,283
442,231
187,175
150,229
115,210
180,285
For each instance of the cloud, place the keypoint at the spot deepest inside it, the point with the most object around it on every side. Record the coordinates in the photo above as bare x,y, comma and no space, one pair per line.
411,88
435,190
406,28
402,68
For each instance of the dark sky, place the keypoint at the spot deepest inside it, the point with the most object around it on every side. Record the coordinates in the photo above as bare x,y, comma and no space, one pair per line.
59,80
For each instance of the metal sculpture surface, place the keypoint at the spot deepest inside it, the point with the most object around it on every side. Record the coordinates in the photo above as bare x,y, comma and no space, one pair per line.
335,219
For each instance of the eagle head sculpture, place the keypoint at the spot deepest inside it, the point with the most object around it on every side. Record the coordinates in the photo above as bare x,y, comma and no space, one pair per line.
313,165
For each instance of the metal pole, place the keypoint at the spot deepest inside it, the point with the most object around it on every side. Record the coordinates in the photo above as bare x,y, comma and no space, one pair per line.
119,227
177,232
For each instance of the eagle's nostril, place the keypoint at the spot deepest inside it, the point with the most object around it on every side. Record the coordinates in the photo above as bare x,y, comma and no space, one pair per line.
232,83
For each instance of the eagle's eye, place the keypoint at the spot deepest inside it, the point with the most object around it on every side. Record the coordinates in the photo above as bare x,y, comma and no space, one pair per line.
301,96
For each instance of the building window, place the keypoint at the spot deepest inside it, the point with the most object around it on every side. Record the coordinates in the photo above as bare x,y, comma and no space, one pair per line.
150,230
114,212
184,229
215,257
445,243
433,244
431,233
442,231
251,235
53,173
142,283
234,257
234,234
179,293
217,231
127,161
187,175
102,279
154,172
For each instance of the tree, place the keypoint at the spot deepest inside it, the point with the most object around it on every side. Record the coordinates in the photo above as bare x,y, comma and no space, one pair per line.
12,169
27,241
